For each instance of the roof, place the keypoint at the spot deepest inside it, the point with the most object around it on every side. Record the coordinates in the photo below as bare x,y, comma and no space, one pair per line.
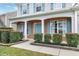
8,13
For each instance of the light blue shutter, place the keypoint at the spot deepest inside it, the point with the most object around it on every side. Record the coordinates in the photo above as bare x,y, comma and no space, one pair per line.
43,6
51,6
63,5
34,7
28,8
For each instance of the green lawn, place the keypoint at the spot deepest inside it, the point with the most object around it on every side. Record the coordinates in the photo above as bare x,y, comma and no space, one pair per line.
10,51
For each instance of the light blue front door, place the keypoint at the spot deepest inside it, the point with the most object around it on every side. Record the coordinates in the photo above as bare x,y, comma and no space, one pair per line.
37,28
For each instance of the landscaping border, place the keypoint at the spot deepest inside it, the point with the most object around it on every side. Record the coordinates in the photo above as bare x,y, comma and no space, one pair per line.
56,46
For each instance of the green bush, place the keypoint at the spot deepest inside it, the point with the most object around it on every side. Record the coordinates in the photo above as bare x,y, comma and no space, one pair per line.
10,37
57,38
6,29
72,39
5,36
38,37
47,38
0,36
15,37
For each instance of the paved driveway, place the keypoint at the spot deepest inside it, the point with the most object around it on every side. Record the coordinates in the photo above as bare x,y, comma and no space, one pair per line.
48,50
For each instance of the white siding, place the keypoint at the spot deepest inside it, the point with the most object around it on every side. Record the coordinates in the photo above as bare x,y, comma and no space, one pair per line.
47,7
57,6
31,10
69,5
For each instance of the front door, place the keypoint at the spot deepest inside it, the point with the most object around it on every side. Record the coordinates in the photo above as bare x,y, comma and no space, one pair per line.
37,28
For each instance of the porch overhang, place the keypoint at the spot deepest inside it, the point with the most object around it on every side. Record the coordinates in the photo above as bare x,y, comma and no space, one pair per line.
58,18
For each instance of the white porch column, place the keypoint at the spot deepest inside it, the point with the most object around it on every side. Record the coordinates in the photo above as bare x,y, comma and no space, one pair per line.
10,24
43,28
72,24
25,30
76,23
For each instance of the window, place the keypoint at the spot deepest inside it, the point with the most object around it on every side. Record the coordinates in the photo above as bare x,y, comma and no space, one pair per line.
52,6
39,7
24,12
57,6
25,9
59,27
63,5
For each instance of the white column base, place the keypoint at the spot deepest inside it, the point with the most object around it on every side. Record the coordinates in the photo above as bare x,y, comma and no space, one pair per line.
25,38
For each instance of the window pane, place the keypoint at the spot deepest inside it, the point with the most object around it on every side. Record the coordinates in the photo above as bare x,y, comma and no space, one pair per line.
63,5
51,6
38,8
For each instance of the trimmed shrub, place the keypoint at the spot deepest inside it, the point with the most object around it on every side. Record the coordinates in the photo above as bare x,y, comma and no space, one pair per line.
0,35
6,29
47,38
57,38
15,37
72,39
38,37
5,36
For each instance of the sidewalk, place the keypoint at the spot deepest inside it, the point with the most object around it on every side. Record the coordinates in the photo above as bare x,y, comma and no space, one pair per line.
48,50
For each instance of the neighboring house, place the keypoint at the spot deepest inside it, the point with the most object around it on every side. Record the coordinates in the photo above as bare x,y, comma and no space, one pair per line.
46,18
4,18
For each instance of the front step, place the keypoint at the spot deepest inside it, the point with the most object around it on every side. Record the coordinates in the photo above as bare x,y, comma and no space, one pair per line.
31,36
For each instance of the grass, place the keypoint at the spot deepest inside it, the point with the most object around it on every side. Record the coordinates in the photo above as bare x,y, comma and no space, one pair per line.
10,51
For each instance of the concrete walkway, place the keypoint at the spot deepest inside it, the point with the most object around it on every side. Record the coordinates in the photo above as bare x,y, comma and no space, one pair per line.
48,50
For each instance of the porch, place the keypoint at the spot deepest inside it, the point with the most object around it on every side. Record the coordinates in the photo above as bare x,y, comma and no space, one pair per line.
60,25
